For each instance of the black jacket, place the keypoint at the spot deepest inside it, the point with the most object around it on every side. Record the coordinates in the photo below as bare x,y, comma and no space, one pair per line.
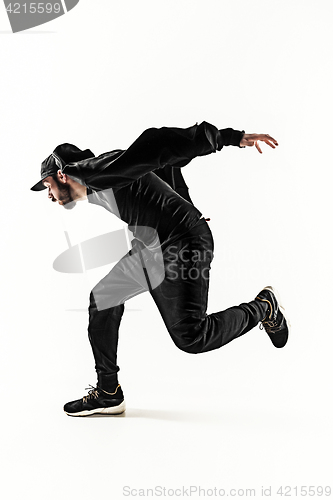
143,185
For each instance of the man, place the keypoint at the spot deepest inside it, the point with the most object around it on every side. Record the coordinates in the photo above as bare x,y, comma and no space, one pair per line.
143,185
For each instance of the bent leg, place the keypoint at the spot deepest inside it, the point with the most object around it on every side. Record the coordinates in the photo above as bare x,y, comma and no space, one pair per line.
182,297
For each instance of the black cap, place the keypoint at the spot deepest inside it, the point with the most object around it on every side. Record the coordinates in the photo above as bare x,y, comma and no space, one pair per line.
63,154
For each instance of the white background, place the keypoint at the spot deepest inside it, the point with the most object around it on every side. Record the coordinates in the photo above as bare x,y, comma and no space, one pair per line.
247,415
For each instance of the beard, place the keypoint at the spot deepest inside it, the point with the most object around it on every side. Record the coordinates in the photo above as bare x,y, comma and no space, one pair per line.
65,195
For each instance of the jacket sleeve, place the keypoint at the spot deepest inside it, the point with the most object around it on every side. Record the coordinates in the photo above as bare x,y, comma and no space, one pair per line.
154,149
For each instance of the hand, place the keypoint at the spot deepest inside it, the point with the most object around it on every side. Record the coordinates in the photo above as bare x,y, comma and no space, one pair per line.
252,139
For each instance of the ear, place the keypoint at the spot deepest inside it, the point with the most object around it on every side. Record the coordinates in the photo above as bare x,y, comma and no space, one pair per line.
62,177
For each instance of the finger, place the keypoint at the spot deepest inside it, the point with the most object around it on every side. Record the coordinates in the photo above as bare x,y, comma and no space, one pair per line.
272,139
258,147
266,138
271,145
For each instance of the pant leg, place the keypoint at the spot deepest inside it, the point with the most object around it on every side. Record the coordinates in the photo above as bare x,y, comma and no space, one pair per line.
182,297
106,308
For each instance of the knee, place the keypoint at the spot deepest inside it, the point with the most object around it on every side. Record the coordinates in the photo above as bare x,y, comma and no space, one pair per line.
187,335
190,350
98,304
188,346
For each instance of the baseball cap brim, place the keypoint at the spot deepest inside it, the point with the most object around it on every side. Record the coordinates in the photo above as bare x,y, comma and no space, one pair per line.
50,166
39,186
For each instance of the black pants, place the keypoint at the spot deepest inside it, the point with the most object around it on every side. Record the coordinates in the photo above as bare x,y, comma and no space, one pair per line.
181,299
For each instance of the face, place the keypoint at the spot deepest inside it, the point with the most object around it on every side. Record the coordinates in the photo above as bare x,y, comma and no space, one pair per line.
60,192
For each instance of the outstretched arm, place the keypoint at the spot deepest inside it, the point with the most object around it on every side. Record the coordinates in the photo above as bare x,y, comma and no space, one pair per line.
154,149
252,140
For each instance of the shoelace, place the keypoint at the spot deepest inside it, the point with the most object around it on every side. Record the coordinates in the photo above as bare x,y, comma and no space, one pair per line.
93,393
270,326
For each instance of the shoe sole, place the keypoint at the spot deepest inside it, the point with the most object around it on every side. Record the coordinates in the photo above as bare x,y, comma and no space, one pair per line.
111,410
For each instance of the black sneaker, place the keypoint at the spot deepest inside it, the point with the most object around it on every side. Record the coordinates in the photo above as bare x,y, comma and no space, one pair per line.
97,401
275,323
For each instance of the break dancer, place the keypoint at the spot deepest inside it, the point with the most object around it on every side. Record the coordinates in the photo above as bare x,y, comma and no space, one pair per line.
171,251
